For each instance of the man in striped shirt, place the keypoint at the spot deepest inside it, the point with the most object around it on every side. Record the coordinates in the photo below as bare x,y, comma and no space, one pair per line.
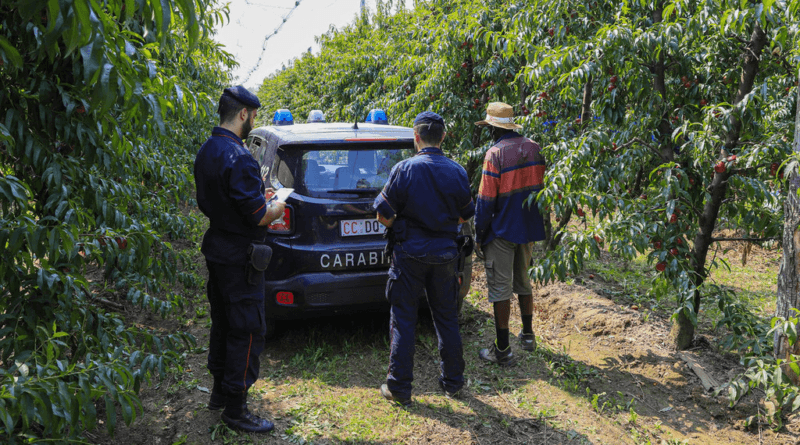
506,226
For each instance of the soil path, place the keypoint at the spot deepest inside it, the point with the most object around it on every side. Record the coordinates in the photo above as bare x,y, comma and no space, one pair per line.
602,374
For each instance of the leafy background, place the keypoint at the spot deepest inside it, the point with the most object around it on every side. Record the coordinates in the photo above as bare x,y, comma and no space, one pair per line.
662,122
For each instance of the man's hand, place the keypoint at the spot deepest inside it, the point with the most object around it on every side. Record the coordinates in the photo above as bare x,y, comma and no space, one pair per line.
479,252
274,210
269,192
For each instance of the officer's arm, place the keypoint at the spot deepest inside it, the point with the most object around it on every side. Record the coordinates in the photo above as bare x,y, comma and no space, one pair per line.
274,210
386,222
389,200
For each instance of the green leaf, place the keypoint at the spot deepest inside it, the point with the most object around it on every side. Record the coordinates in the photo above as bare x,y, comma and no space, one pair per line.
11,53
82,8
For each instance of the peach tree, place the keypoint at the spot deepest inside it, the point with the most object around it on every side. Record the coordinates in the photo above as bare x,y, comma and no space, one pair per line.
689,107
103,105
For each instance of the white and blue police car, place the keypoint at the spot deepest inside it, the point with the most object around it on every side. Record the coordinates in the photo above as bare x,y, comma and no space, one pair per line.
328,249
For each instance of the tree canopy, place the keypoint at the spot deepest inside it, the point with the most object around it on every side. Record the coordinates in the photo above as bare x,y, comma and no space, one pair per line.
102,107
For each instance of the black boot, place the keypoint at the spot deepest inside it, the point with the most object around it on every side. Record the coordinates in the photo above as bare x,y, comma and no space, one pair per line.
238,417
217,400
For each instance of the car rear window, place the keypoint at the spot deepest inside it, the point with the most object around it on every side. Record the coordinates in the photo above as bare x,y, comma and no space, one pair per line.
337,171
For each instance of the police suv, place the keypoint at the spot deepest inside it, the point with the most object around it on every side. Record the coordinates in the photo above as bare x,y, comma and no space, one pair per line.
328,249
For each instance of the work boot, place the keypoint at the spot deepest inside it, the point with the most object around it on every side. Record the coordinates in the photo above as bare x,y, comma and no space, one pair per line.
238,417
387,394
217,400
494,355
449,394
527,341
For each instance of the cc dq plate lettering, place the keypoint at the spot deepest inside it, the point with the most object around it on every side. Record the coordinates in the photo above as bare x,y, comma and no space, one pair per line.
356,227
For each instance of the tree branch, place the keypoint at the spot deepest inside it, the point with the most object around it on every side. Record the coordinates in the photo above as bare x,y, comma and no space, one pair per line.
772,238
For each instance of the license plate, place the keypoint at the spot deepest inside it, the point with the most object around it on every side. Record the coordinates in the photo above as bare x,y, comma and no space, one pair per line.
356,227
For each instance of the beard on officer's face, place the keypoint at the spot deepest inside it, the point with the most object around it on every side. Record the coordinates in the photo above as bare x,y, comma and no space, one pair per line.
247,126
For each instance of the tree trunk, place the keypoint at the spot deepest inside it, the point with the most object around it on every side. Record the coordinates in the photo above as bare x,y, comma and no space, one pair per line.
682,332
586,106
789,274
719,185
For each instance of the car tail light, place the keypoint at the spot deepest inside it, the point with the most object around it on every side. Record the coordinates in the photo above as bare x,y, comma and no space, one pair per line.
285,298
282,225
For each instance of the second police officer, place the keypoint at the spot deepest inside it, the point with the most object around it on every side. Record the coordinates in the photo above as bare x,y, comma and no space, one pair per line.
423,203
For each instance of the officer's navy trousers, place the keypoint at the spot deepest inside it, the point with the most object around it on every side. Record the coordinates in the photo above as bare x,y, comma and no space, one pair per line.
407,278
237,326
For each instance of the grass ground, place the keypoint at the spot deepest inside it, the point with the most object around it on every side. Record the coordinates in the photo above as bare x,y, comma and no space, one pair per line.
603,373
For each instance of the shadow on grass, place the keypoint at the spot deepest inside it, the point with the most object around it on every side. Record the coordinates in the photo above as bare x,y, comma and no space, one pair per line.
352,351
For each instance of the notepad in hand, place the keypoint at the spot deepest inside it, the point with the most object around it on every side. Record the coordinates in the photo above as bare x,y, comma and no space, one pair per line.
282,194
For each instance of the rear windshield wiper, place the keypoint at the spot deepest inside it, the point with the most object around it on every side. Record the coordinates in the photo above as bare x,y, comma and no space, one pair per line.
362,191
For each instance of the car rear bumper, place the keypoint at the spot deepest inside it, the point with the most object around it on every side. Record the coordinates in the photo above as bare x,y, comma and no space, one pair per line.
327,293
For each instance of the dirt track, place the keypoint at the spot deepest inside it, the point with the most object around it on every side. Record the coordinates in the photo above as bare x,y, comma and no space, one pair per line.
599,361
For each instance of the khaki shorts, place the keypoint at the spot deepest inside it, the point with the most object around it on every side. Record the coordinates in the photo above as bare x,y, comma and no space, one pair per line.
506,267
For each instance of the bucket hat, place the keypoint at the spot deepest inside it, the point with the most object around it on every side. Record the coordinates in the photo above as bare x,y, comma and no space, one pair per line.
499,114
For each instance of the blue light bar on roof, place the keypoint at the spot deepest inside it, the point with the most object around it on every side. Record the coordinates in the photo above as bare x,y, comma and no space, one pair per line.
377,116
283,117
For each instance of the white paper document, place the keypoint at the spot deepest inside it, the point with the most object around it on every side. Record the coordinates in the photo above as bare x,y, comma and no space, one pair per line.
282,193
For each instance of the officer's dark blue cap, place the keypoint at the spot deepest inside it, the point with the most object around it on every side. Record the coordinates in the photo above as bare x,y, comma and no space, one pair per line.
241,94
428,117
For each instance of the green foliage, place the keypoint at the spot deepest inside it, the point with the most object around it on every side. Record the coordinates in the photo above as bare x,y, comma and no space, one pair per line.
102,107
635,103
771,376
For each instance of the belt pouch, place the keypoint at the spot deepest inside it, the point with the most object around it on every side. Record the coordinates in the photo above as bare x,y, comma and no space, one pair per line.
258,257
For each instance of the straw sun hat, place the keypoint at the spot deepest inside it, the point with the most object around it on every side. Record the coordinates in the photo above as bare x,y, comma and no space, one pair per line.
499,115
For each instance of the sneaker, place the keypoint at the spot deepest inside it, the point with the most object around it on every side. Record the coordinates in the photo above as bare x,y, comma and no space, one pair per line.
527,341
247,421
449,394
216,402
387,394
494,355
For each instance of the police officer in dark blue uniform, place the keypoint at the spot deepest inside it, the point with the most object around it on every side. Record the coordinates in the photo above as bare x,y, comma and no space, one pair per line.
230,192
423,203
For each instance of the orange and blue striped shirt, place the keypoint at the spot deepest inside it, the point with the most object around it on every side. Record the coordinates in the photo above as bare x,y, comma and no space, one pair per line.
512,169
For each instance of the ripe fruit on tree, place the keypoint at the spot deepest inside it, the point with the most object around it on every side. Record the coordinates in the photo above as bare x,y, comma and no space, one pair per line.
657,244
673,218
661,267
720,167
580,212
613,79
611,87
598,240
673,251
703,102
121,242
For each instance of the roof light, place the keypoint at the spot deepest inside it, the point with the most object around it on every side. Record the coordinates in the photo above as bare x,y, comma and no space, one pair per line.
283,117
316,116
377,116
